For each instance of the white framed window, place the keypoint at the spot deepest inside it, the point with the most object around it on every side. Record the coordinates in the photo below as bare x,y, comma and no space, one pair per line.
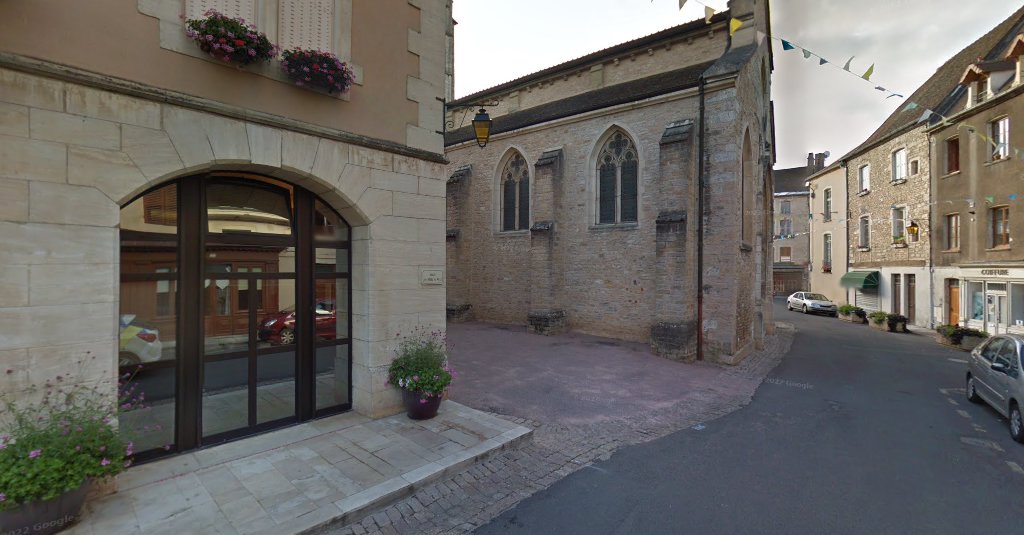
1000,132
786,207
899,165
826,252
827,209
864,236
864,178
899,225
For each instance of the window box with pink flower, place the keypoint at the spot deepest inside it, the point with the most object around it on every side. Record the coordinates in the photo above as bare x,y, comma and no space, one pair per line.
230,40
316,69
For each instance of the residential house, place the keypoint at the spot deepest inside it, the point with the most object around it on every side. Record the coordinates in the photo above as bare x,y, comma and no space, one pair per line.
791,242
977,154
626,193
252,244
828,236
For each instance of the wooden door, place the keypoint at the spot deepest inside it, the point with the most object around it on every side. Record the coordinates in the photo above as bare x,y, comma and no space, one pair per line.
911,299
953,301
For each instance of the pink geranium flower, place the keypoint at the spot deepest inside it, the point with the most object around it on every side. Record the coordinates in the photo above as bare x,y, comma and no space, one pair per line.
34,453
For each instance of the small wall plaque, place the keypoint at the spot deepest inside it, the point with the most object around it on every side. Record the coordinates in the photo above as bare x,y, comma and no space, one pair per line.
432,277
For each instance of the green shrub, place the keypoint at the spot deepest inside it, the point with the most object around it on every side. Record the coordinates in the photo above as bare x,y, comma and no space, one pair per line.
849,310
878,317
955,333
421,364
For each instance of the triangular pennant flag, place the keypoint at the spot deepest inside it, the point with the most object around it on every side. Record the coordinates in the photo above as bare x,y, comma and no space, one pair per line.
880,88
990,200
807,53
893,95
867,73
734,24
925,116
847,66
1013,196
822,61
761,36
910,106
786,45
708,13
681,2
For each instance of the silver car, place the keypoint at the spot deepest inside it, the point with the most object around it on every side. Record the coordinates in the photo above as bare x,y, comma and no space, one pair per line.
808,302
994,376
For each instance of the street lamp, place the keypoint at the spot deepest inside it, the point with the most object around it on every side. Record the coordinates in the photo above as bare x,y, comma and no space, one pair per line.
482,127
913,229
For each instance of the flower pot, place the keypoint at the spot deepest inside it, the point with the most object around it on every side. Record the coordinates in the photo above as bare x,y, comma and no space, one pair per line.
970,342
852,318
880,326
45,517
419,407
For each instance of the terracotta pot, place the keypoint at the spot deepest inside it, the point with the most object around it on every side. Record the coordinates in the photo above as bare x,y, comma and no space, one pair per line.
45,517
418,410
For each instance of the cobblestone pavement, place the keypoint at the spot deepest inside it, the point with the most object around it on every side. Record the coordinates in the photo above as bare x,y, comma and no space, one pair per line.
463,502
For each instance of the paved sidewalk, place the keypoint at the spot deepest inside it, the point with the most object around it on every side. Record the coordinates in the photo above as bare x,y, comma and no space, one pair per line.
306,477
584,396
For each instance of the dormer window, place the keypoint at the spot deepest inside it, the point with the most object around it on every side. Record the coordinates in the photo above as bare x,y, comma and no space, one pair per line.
985,79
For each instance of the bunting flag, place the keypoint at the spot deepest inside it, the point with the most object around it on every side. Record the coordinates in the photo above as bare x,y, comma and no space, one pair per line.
681,2
734,24
910,106
1013,196
925,116
708,13
847,66
867,73
761,36
990,200
786,45
807,53
822,61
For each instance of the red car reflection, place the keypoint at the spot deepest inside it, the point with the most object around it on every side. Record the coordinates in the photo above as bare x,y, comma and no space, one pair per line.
279,328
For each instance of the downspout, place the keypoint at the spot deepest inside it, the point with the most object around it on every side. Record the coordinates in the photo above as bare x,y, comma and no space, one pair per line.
700,224
931,265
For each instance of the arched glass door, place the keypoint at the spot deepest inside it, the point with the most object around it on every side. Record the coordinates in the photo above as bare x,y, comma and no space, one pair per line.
234,310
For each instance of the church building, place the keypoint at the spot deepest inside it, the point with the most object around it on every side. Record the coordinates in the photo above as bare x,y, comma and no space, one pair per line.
625,194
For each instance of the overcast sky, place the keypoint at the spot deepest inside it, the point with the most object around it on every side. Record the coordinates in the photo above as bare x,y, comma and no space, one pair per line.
817,108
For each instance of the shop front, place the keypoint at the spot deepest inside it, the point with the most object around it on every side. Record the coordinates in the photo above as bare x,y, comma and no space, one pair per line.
992,299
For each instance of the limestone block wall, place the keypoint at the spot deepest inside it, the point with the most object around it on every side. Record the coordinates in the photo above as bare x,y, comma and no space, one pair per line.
603,276
72,154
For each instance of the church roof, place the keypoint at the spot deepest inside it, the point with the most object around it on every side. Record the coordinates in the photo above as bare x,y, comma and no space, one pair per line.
632,91
790,180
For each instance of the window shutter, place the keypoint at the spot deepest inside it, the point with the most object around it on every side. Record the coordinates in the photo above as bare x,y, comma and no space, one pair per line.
306,24
628,201
160,207
524,203
606,194
509,206
244,9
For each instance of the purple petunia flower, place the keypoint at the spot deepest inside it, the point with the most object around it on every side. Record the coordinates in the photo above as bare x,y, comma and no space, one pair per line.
104,462
3,497
34,453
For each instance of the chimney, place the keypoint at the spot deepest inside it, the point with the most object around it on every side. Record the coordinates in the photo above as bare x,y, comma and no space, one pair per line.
810,160
819,161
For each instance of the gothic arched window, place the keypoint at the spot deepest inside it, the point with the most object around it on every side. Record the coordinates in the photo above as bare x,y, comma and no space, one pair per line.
617,174
515,194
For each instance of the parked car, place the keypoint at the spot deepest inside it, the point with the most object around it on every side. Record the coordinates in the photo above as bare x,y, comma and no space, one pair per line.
994,376
808,302
279,328
137,343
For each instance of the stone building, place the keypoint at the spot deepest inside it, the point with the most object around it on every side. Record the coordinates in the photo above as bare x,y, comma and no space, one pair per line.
625,194
977,160
827,232
791,239
891,208
252,244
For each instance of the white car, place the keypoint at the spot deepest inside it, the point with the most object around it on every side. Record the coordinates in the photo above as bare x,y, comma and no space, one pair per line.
808,302
138,344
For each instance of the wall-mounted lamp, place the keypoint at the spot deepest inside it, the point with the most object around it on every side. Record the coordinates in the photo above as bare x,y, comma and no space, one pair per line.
482,127
913,229
481,122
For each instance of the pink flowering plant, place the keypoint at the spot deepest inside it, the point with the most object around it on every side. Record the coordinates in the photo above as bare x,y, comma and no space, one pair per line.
69,436
315,68
231,40
421,364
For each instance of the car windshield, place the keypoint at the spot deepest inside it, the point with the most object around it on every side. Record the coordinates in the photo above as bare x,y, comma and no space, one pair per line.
815,297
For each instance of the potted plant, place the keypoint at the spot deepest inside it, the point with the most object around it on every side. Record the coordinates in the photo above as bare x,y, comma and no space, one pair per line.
421,370
228,39
826,268
961,337
896,323
317,69
879,320
851,313
899,241
53,448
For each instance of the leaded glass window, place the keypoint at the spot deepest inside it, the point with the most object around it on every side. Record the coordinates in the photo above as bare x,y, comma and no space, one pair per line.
515,194
618,174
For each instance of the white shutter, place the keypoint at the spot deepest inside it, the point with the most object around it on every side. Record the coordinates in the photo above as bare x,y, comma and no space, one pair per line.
306,24
244,9
866,299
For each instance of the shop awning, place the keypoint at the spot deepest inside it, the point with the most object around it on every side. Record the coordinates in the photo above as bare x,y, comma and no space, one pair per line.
860,280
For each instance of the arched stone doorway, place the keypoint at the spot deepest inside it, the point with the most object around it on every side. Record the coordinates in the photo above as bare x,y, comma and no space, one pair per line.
235,309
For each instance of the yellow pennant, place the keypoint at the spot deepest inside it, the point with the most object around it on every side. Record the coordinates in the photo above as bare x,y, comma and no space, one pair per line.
708,13
867,74
734,24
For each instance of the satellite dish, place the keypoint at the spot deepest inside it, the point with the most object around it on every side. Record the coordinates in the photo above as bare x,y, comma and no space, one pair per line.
827,154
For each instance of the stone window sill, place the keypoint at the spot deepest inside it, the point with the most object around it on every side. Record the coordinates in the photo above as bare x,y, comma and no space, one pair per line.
899,246
999,248
897,182
614,226
511,233
863,249
746,247
863,193
957,250
994,162
954,173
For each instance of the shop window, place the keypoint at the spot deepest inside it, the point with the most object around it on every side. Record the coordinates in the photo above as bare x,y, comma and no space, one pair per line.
976,305
1017,304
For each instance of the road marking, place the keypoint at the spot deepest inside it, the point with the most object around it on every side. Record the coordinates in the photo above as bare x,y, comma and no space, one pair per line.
699,427
979,428
1015,467
961,361
981,443
952,401
963,413
950,391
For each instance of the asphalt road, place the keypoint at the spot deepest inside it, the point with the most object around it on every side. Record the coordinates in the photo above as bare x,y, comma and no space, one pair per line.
856,431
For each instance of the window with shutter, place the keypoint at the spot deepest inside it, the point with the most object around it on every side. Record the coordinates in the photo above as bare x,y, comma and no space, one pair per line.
618,178
244,9
306,24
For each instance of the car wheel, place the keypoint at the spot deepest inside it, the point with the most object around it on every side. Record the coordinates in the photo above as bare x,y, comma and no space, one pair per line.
805,309
127,360
972,390
287,336
1016,425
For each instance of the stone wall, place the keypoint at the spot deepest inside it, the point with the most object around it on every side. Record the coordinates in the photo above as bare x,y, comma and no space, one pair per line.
71,155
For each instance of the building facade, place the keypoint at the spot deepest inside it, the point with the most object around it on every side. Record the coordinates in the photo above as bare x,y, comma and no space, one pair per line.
979,267
593,209
791,247
251,244
828,237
